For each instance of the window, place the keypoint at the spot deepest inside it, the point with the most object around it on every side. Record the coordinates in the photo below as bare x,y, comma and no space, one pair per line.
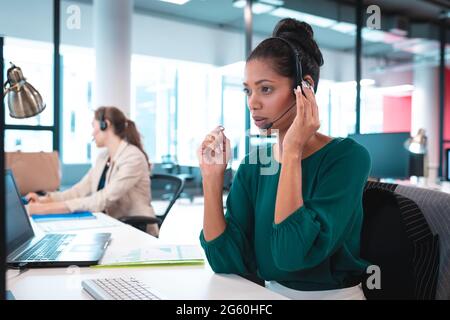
234,118
388,67
35,60
175,104
28,140
233,109
199,107
153,104
29,46
77,112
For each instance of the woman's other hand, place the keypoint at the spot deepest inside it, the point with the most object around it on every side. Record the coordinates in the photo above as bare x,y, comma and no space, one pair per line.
214,153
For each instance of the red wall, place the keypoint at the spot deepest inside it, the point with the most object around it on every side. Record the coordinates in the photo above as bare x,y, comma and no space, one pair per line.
396,114
447,106
446,117
397,111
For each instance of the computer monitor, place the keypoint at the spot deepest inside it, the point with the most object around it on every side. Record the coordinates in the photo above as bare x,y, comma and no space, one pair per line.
390,159
447,166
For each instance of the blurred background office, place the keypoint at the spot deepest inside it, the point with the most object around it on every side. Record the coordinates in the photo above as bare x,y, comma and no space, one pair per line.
176,68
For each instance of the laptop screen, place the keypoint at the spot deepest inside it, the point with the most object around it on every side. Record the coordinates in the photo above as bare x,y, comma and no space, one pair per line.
18,227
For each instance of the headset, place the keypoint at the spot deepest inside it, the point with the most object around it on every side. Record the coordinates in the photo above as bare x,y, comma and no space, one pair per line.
298,77
298,65
103,123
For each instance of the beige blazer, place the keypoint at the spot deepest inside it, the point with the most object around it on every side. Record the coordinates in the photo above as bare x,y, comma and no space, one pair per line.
127,187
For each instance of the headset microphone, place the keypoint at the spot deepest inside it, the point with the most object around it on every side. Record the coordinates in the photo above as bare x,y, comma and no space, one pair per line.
270,124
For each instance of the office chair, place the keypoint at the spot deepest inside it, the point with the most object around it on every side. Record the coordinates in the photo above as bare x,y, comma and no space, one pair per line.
435,206
397,237
188,179
170,165
162,184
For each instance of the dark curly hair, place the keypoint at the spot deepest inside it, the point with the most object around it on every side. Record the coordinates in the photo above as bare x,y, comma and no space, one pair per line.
301,36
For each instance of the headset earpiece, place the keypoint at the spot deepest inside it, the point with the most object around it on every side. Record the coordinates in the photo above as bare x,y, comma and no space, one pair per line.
103,123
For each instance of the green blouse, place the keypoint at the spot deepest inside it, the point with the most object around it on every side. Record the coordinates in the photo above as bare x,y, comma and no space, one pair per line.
315,248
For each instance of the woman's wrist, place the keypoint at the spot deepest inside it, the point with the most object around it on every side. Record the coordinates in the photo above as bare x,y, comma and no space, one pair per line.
292,154
213,176
45,199
213,183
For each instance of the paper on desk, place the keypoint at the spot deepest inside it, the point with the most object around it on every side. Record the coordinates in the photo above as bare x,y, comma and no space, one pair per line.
81,224
155,255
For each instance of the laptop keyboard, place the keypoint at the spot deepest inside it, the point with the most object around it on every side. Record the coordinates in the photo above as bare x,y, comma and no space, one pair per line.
47,249
119,289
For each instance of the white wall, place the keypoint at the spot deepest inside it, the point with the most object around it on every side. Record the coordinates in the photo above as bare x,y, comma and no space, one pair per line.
27,19
176,40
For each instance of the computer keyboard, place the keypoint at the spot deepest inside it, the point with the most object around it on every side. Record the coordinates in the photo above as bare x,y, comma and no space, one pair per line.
47,249
119,289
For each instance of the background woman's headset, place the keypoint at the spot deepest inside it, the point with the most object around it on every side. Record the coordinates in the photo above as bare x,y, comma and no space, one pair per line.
103,123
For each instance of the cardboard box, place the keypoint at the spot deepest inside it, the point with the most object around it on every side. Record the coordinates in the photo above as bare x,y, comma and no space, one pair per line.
34,171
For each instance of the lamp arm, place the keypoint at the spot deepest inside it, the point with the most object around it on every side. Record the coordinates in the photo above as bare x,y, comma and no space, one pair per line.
16,87
5,88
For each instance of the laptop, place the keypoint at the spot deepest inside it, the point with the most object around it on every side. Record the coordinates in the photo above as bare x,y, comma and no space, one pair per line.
25,249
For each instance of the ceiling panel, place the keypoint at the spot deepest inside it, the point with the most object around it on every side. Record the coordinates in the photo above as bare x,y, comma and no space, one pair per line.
222,14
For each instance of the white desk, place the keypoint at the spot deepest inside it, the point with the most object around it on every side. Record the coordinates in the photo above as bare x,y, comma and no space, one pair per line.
174,282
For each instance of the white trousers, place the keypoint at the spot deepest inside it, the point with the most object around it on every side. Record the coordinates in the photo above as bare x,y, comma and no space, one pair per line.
351,293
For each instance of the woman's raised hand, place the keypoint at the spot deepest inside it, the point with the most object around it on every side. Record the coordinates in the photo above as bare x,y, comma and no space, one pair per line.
305,124
214,153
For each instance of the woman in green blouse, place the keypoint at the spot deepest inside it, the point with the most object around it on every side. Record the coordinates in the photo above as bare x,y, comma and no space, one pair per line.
297,227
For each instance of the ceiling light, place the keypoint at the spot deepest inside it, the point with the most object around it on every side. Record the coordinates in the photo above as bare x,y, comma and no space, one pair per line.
373,35
239,3
308,18
363,82
366,82
273,2
180,2
394,90
344,27
261,6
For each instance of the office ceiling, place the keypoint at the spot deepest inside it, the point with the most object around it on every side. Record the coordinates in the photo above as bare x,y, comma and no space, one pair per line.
222,11
222,14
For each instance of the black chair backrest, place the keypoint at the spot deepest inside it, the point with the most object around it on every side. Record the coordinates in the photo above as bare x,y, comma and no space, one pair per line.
397,238
435,206
384,243
169,186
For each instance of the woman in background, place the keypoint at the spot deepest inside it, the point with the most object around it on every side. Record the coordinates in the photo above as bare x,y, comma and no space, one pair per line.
119,182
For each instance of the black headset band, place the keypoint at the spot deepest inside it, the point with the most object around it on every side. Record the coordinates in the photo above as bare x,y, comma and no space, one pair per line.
297,62
103,124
